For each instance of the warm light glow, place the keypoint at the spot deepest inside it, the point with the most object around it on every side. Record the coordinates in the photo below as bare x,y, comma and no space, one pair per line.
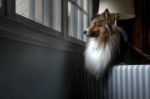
124,8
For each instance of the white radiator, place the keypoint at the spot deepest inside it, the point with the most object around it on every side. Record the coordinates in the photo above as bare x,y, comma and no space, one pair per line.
122,82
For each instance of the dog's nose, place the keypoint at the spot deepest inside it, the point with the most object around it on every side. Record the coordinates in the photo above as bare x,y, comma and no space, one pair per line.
85,32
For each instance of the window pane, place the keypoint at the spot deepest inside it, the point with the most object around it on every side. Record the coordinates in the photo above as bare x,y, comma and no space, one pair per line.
85,24
56,14
79,3
39,11
80,25
71,17
22,7
85,5
78,15
0,3
86,16
46,12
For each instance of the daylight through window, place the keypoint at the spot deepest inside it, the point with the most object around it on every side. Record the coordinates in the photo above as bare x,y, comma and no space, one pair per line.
46,12
78,15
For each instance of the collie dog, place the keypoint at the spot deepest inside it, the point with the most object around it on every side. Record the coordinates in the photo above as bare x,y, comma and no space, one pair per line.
103,46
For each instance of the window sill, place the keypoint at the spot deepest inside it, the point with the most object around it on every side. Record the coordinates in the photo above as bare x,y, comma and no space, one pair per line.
38,35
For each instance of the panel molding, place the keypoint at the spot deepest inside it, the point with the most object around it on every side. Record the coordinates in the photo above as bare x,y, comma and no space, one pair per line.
45,37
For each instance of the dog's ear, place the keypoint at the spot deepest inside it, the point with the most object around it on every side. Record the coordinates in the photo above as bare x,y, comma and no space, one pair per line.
95,16
107,13
108,16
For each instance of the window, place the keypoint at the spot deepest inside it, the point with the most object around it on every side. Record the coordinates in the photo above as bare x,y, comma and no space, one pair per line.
78,16
2,8
46,12
51,12
0,3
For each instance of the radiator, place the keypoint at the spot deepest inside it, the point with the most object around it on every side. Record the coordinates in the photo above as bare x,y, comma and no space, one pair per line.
122,82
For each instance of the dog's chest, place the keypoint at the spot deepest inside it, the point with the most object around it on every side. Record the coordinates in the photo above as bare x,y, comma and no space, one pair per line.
94,49
96,56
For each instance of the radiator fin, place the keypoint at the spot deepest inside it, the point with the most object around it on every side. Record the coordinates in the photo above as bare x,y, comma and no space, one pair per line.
122,82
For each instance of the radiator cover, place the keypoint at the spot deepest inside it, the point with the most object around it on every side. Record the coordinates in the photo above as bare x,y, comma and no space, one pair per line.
122,82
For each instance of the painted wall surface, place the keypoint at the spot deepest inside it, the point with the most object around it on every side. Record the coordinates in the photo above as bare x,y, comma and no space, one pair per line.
33,72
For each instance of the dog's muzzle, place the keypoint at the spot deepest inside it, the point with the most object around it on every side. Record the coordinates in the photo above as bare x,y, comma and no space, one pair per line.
86,32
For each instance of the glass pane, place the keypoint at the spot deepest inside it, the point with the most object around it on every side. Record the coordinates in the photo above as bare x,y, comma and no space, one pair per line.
22,7
85,25
74,21
79,3
85,5
0,3
56,14
77,19
39,11
71,19
80,20
80,25
46,12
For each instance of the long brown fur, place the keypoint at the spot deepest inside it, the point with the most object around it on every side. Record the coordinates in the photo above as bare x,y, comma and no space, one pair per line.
103,29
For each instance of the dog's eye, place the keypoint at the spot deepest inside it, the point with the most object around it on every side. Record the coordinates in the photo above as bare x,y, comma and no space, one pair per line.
97,24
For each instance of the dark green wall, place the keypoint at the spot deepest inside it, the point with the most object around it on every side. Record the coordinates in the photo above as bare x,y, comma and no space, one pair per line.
28,71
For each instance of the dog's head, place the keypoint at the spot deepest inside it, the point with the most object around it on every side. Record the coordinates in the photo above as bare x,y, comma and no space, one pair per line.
101,26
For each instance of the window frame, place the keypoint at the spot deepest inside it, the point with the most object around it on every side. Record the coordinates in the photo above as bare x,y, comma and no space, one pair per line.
83,13
32,26
2,8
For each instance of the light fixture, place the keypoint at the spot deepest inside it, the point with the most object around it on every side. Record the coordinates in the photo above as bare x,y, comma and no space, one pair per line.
122,9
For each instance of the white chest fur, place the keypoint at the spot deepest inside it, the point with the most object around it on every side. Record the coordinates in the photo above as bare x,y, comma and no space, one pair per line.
98,57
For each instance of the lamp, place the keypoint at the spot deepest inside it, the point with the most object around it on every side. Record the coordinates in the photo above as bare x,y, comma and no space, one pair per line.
122,9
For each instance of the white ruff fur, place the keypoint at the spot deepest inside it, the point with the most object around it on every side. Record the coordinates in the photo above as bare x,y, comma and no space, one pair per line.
97,58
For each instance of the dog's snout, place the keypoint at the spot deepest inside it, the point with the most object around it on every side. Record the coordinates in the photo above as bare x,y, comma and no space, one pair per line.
85,32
